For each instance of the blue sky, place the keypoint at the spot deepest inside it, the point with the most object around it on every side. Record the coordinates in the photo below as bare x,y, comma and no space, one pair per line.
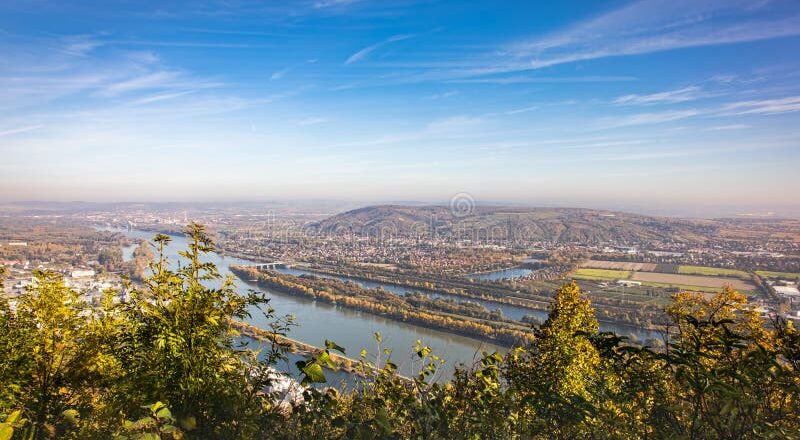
636,104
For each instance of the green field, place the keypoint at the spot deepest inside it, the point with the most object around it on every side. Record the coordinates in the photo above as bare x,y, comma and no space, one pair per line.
683,287
712,271
601,274
785,275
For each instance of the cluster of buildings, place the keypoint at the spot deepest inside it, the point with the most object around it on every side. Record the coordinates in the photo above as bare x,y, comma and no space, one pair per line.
91,285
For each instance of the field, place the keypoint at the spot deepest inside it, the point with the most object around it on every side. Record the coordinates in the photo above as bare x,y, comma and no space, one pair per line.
712,271
601,274
618,265
784,275
692,280
704,283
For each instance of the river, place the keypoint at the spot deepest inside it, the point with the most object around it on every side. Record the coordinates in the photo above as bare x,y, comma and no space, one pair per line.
508,310
502,274
353,330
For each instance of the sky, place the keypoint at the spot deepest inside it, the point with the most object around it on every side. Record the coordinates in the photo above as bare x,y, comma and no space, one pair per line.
646,105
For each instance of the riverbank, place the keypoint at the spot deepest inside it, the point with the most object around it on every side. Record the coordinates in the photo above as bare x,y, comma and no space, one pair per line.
390,306
498,297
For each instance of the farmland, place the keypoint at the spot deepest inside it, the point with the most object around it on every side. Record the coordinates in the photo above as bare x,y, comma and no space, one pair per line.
601,274
694,278
712,271
619,265
784,275
691,280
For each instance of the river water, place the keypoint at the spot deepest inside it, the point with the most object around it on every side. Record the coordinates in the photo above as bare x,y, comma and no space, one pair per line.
353,330
502,274
508,310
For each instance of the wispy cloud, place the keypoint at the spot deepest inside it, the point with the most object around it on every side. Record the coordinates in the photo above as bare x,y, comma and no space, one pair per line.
670,97
143,82
646,118
80,45
365,52
454,123
323,4
19,130
648,26
544,80
444,95
279,74
764,107
728,127
522,110
160,97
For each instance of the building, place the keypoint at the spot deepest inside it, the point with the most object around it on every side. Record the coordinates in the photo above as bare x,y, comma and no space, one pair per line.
789,290
82,273
629,283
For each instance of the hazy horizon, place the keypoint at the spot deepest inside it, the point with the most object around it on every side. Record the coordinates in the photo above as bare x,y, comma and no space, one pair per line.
340,205
643,106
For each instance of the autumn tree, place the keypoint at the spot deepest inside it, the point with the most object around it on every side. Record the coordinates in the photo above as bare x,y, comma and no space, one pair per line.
554,378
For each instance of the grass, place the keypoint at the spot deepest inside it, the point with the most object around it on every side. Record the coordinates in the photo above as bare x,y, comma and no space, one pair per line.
712,271
683,287
601,274
785,275
688,288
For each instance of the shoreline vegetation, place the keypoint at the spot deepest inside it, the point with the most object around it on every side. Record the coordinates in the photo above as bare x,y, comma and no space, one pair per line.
386,304
611,314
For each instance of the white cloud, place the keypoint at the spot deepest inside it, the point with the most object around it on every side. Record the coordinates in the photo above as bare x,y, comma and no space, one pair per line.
19,130
160,97
648,26
444,95
148,81
80,45
365,52
522,110
545,80
279,74
671,97
646,118
323,4
764,107
728,127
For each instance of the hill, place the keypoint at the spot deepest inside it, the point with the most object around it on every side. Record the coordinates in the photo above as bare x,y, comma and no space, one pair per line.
563,225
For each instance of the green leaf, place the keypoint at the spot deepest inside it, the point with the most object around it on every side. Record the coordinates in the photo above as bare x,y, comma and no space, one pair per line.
314,373
164,413
330,345
70,415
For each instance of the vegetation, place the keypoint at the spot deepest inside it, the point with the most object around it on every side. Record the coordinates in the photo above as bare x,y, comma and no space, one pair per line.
712,271
784,275
166,364
460,318
601,274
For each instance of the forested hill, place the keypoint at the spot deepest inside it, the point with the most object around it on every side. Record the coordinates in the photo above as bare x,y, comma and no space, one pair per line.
534,224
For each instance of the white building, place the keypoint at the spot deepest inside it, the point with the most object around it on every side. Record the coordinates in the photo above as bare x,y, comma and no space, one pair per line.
789,290
629,283
82,273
